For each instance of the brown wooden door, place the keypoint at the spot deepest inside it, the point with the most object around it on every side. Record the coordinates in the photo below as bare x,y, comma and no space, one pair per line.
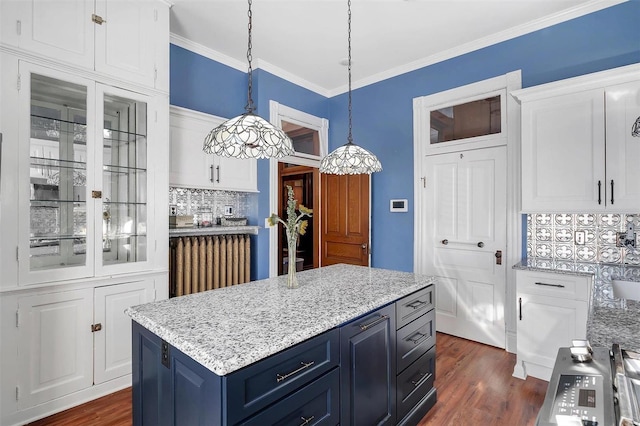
345,219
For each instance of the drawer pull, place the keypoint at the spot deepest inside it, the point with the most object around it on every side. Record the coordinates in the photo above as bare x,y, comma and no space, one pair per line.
416,304
364,327
306,421
416,338
423,377
550,285
305,365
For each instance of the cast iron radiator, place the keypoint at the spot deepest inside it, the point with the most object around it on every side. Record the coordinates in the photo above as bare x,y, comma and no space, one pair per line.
200,263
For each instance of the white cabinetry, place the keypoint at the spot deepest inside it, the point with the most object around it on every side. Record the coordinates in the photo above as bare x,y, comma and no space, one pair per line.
127,40
69,340
552,310
577,150
190,167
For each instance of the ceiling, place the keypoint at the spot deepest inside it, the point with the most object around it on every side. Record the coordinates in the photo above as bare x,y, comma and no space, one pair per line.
305,40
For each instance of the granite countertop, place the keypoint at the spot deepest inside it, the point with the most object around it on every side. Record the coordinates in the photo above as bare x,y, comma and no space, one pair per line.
232,327
213,230
611,320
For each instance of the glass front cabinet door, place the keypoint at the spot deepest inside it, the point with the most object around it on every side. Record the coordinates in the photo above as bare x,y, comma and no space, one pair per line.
83,175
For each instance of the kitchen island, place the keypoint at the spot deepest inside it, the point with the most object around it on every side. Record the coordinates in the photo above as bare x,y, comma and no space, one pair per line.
350,344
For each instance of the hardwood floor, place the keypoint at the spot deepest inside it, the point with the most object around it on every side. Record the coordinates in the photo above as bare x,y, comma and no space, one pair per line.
474,383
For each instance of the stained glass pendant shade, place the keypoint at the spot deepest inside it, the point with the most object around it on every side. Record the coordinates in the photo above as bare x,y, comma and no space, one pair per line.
350,159
248,135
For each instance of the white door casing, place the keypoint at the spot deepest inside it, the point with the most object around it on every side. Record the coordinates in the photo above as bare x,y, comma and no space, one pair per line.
510,224
466,216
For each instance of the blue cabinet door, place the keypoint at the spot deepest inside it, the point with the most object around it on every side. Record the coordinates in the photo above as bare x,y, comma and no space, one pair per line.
368,369
170,388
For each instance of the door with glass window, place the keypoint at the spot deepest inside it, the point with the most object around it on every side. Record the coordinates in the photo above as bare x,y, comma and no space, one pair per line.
84,179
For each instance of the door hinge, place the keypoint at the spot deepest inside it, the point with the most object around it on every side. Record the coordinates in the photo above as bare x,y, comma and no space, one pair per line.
424,182
17,393
19,83
97,19
18,318
96,327
19,27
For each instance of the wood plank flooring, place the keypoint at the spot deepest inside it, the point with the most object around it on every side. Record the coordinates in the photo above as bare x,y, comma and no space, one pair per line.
474,383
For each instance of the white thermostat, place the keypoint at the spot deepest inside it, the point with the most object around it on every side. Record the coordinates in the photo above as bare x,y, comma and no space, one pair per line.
398,205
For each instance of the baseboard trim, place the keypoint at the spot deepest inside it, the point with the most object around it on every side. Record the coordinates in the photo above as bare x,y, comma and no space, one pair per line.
63,403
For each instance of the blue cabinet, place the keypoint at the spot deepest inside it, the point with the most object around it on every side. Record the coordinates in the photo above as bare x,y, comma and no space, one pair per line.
368,369
376,370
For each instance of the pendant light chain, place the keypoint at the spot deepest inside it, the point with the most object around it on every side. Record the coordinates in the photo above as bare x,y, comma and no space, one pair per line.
250,106
349,137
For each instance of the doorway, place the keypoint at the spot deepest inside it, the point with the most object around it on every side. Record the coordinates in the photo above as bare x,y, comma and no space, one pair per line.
304,180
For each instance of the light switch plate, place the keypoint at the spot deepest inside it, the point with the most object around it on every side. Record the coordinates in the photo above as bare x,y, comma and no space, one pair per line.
228,210
173,210
579,238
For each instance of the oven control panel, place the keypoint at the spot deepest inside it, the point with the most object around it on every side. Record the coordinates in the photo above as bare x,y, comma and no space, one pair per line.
581,396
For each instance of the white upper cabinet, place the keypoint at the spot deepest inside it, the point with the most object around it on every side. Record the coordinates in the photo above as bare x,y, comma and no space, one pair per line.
191,167
126,40
578,154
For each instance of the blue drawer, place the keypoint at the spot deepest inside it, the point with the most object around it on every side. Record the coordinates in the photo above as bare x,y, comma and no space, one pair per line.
414,305
253,388
316,404
414,339
415,382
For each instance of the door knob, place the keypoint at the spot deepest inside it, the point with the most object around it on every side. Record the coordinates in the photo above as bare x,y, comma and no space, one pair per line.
364,246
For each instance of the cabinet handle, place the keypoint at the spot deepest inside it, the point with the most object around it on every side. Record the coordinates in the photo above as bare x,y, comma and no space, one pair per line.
423,377
363,327
550,285
211,173
305,365
217,174
520,307
416,304
417,338
611,191
306,421
599,192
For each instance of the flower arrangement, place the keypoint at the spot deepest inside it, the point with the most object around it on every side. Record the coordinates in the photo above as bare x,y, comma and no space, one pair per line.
294,225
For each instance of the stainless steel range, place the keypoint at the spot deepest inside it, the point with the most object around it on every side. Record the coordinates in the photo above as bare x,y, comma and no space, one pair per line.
593,387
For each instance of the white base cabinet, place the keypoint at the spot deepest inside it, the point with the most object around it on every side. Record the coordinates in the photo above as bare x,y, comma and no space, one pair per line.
190,167
66,345
552,310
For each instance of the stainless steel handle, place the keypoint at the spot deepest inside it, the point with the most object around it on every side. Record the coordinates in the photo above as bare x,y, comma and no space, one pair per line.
417,338
211,173
217,174
446,242
364,327
550,285
416,304
306,421
305,365
520,307
423,377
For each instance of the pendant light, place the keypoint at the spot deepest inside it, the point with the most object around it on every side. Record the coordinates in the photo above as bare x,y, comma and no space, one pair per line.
350,159
248,135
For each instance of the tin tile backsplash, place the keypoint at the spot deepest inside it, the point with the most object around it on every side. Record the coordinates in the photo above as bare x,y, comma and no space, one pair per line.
194,201
553,237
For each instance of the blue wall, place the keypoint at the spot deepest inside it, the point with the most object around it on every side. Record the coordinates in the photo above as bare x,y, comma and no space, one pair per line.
382,112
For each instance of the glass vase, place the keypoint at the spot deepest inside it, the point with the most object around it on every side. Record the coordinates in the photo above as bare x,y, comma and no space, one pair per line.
292,240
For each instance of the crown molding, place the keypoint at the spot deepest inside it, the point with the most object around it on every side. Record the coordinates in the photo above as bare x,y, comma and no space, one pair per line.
207,52
529,27
575,12
242,66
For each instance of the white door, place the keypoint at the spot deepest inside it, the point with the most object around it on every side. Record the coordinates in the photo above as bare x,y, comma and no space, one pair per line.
113,341
55,345
465,207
